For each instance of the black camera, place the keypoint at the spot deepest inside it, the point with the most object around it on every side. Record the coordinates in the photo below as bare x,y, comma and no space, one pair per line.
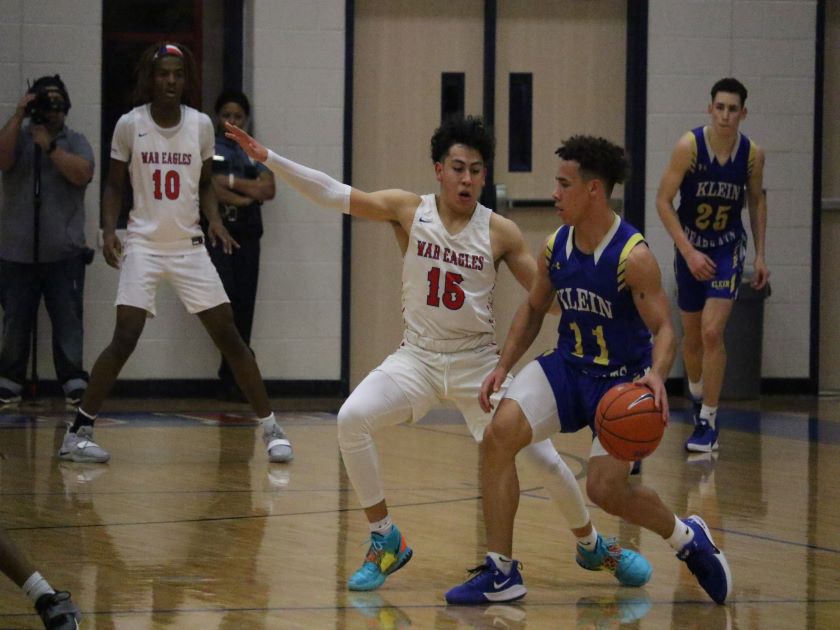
50,96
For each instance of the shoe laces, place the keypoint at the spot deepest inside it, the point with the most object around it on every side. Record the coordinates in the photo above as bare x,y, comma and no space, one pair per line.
614,551
611,551
700,429
377,548
276,432
476,573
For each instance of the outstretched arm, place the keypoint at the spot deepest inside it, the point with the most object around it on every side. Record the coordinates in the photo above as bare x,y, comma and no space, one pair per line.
320,188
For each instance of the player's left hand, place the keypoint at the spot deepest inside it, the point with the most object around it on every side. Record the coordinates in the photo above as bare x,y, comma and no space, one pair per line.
491,385
217,233
761,274
660,396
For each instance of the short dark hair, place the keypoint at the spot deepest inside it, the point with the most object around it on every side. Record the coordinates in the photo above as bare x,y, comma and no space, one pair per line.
469,131
143,90
233,96
731,85
598,158
51,81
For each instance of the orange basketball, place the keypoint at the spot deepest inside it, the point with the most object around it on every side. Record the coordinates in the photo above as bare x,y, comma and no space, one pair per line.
628,423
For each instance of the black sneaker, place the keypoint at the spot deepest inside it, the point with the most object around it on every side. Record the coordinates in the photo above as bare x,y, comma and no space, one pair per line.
8,397
58,612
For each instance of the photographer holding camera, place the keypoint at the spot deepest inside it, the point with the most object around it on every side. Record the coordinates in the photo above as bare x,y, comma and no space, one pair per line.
46,168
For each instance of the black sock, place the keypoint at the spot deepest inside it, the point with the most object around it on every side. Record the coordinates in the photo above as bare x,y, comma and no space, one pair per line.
81,421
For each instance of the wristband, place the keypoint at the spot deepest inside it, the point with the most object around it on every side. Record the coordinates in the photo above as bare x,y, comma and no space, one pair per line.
230,181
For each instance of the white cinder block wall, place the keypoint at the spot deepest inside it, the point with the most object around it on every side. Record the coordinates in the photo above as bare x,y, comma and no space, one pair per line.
769,46
294,72
295,76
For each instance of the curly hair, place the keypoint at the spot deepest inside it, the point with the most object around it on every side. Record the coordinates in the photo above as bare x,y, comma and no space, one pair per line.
598,159
144,89
731,86
469,131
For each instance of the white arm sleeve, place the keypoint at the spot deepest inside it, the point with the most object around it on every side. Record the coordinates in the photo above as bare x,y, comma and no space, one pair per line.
314,185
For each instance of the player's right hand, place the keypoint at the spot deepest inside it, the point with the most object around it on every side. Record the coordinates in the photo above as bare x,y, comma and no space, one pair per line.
701,266
491,385
112,249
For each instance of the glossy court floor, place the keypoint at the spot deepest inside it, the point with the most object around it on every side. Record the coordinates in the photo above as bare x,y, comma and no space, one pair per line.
188,526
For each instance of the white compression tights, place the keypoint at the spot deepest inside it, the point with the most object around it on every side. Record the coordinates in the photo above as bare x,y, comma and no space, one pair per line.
379,402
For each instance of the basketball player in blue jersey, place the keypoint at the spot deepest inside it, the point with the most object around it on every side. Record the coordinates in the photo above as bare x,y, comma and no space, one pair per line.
452,246
609,288
716,169
166,147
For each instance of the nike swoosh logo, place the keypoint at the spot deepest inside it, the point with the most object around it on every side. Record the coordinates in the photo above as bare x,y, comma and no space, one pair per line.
422,220
140,135
639,400
500,585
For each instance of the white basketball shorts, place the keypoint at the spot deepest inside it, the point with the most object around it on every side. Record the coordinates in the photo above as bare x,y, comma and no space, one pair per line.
193,277
429,378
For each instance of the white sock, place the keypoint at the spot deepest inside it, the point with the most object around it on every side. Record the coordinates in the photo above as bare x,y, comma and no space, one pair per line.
709,414
268,423
503,563
682,535
35,586
588,542
696,389
383,527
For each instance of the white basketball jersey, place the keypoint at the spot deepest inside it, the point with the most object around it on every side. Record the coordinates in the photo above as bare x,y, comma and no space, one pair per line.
448,281
165,168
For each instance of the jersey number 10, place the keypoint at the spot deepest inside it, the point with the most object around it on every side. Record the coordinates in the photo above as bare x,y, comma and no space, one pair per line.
171,184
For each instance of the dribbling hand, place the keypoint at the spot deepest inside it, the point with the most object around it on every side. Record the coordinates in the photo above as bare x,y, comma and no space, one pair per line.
660,396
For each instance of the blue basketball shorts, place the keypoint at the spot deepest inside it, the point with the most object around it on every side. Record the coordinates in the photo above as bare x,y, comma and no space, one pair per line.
577,393
729,260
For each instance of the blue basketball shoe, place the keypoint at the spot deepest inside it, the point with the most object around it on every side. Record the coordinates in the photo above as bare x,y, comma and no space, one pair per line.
385,555
706,561
696,407
487,585
704,439
629,567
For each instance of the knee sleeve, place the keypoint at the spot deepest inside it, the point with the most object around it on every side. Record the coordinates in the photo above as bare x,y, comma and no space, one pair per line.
559,482
377,402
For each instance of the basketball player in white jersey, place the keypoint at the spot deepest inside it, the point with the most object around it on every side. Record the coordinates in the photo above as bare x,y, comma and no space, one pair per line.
166,147
453,248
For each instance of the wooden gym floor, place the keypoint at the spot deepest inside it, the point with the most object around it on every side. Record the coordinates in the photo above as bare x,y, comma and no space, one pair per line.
188,526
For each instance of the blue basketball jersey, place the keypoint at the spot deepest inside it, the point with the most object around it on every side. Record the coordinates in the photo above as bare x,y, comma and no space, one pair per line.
712,194
600,330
